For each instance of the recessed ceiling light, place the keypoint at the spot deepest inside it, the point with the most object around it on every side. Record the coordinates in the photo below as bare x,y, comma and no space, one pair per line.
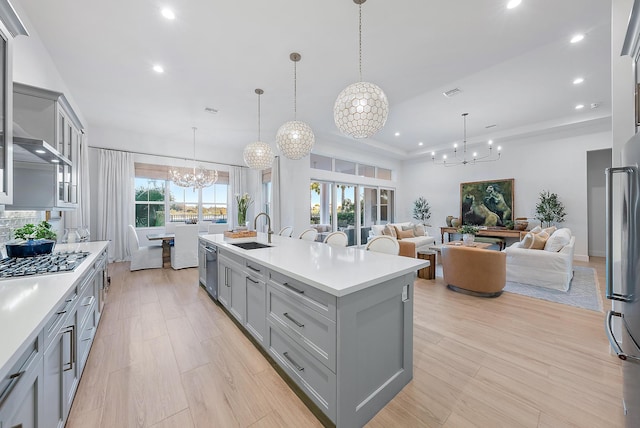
490,142
513,3
420,143
579,106
397,134
158,68
577,38
40,151
168,13
55,161
433,153
578,80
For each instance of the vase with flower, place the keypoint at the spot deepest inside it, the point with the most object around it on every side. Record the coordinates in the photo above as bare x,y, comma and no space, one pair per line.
244,202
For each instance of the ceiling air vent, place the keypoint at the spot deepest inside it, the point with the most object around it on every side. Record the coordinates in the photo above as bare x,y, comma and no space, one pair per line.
491,126
210,110
451,92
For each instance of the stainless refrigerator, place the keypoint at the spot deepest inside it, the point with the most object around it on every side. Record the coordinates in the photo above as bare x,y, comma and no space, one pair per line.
625,340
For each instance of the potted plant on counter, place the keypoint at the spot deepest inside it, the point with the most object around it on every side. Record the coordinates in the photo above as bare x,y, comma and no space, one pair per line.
31,240
468,232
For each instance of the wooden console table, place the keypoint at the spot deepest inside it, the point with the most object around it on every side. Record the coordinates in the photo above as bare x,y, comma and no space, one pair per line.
494,233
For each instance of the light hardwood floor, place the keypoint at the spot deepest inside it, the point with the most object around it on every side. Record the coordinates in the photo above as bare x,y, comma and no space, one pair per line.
165,355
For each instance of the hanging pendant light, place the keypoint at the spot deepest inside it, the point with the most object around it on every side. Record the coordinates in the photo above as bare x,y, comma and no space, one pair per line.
258,155
474,158
361,109
195,177
295,139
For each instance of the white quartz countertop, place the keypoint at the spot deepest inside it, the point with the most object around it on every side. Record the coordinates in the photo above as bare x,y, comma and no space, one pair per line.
337,270
26,303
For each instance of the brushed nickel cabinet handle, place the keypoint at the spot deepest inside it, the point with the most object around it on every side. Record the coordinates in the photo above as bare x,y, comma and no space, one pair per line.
252,268
252,280
296,365
297,290
290,318
14,381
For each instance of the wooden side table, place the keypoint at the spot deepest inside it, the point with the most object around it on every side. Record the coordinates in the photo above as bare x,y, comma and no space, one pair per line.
430,271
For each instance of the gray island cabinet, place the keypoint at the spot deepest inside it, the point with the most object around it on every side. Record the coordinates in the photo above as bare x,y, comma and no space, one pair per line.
337,321
47,324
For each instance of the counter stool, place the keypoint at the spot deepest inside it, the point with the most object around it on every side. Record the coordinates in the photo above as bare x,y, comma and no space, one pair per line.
428,272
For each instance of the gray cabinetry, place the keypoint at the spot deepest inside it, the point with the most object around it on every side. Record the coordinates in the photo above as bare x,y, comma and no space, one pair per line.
255,311
232,285
21,390
45,121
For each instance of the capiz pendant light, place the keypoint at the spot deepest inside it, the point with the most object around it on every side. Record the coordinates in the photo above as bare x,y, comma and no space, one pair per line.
295,138
361,109
258,155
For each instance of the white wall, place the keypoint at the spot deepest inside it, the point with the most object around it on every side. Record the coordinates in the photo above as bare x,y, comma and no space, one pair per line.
555,164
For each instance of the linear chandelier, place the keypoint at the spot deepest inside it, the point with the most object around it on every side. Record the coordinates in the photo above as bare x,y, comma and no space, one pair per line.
473,158
195,177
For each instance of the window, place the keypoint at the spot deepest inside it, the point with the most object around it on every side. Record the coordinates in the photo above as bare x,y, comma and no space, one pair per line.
149,201
158,200
321,162
214,203
348,167
266,190
357,208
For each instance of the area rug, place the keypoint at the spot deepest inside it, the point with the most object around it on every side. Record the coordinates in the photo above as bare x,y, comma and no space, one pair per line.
583,292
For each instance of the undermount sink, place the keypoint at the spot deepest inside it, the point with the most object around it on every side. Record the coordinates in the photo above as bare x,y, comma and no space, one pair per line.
251,245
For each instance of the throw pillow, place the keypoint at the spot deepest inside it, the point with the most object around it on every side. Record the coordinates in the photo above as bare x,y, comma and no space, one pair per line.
390,231
418,230
539,239
536,229
550,230
405,234
378,229
527,240
558,240
407,227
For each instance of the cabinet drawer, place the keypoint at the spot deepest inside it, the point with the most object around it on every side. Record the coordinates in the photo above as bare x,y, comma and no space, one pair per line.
304,294
86,299
59,316
24,364
231,256
317,381
86,333
314,332
254,269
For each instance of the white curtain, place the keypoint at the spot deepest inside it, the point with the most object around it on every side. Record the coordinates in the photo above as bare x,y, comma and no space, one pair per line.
80,216
236,187
275,195
116,174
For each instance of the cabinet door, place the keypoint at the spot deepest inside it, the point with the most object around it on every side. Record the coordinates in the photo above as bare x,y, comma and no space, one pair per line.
238,292
20,409
256,308
60,375
6,118
224,283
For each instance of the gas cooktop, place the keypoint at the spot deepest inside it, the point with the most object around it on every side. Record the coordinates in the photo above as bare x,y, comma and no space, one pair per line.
12,267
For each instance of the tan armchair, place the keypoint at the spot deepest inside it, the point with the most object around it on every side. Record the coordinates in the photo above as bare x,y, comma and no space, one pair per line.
474,271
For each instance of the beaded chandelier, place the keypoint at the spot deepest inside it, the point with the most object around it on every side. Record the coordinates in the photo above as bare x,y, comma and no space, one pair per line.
195,177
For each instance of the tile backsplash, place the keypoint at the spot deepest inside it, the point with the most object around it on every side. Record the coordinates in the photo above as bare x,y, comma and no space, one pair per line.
10,220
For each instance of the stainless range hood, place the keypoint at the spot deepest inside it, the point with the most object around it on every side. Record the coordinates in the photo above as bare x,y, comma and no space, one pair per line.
32,150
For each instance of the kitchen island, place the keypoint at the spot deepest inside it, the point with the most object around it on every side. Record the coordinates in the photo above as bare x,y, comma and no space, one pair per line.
47,325
337,321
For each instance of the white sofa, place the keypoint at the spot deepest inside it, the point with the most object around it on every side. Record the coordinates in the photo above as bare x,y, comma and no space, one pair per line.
408,246
542,268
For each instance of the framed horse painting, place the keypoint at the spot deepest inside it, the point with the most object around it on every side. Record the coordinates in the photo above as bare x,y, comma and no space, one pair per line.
487,203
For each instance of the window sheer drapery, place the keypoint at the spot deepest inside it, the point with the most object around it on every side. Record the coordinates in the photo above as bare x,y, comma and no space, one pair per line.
115,198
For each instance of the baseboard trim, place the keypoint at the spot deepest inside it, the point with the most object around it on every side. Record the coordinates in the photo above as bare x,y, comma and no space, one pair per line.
580,258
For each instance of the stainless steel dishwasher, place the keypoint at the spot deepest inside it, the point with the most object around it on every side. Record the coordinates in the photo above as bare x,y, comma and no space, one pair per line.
208,268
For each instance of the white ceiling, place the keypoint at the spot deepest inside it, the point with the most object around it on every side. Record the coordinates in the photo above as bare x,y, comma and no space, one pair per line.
515,67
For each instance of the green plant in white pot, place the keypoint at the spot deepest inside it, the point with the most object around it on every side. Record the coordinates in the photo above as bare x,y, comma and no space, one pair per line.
469,233
421,210
549,208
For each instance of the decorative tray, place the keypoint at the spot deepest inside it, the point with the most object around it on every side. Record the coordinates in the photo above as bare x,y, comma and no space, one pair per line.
240,234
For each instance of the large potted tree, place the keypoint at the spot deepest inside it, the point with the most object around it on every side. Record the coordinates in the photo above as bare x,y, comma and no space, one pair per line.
421,210
549,209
